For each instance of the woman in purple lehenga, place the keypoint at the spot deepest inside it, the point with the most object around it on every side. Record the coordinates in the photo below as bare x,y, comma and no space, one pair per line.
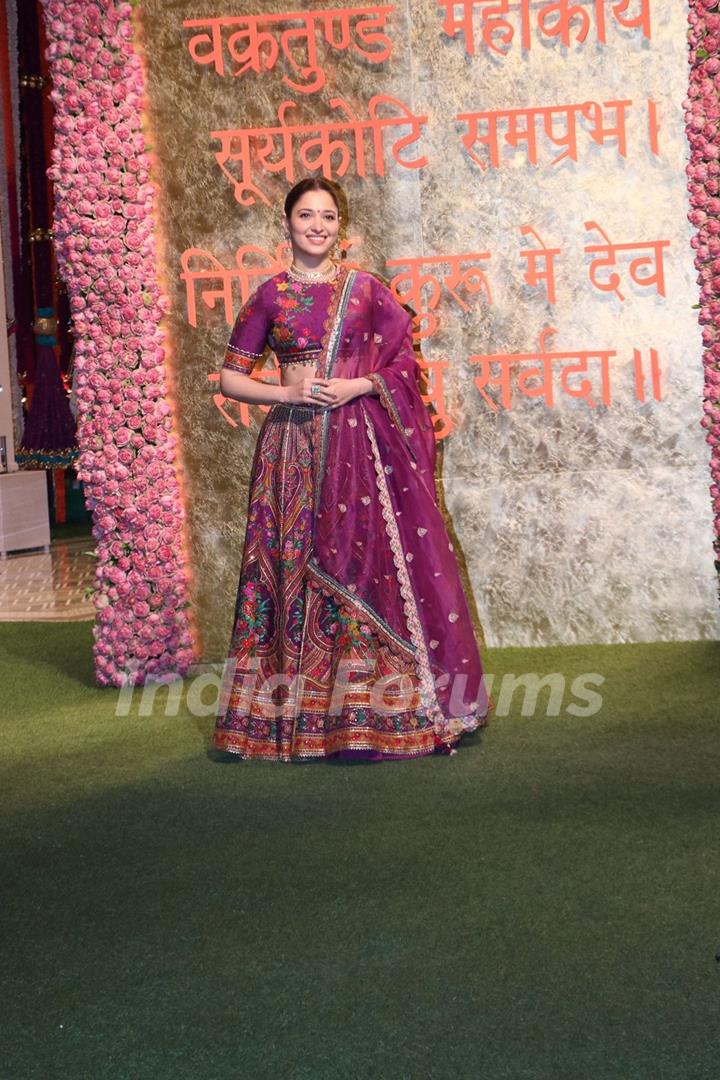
352,635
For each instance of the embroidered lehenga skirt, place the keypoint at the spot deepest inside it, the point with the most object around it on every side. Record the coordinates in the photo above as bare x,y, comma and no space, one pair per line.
304,678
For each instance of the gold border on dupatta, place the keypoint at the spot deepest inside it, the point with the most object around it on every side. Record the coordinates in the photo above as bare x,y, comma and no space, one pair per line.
422,660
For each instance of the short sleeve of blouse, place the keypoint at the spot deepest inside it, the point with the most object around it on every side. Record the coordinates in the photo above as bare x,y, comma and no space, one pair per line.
249,336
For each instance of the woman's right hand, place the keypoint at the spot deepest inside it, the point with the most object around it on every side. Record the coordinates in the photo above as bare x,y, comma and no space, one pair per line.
299,393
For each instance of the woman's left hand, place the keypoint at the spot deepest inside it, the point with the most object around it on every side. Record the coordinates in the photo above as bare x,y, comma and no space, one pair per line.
345,390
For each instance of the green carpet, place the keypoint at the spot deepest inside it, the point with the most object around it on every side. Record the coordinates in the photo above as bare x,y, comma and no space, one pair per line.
544,904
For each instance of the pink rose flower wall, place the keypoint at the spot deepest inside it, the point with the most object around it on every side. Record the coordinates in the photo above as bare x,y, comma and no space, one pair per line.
104,235
105,242
703,131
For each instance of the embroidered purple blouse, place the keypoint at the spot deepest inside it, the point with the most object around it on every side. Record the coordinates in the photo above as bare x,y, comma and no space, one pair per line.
285,315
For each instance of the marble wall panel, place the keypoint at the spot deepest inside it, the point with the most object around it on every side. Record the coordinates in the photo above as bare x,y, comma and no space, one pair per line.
586,556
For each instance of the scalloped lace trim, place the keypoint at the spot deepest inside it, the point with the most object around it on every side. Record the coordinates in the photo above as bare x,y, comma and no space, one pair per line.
341,288
386,398
427,683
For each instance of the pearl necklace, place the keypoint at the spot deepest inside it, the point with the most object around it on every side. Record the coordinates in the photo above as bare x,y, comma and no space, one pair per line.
313,275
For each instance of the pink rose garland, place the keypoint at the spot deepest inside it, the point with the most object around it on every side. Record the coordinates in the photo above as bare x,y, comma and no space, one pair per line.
702,113
104,236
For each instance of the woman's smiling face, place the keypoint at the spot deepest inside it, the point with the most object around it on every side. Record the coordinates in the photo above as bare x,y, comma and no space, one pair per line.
313,227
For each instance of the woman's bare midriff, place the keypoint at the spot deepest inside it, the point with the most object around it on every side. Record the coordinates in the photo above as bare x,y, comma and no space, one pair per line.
292,374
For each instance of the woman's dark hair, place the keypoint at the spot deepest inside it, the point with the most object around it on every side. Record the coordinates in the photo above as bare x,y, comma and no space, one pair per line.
316,183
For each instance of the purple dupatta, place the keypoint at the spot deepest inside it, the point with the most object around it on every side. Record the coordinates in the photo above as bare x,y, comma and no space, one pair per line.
380,542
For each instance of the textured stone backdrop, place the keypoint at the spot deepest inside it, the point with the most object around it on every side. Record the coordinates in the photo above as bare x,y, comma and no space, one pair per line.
575,525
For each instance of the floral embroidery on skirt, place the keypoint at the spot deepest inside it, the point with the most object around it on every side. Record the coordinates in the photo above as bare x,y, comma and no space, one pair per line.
306,677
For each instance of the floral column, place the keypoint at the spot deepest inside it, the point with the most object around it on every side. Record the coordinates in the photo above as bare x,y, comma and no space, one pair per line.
703,131
104,235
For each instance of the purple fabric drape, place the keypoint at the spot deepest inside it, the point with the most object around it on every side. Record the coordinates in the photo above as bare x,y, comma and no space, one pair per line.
50,426
380,540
